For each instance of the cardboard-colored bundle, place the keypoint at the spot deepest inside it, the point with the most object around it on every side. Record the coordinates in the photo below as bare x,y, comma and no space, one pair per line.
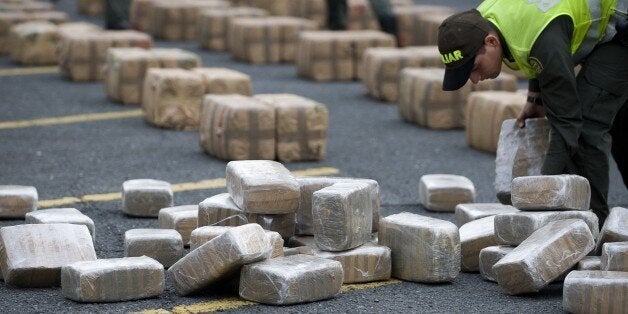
225,81
213,25
267,39
520,152
614,256
337,55
202,235
475,236
473,211
25,6
32,255
176,20
557,192
595,292
171,98
91,7
426,32
360,15
443,192
383,65
503,82
301,126
418,240
34,43
236,127
314,10
366,263
545,255
183,218
60,215
486,111
9,19
274,7
66,30
140,12
113,280
290,280
489,256
17,200
164,245
614,228
589,263
409,31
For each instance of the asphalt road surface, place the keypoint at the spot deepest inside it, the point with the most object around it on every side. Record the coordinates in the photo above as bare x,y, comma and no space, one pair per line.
367,139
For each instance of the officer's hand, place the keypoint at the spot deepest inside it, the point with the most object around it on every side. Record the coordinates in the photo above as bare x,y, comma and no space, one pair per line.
530,110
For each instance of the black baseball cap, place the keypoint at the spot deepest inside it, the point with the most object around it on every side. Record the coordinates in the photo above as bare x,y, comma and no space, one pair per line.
460,36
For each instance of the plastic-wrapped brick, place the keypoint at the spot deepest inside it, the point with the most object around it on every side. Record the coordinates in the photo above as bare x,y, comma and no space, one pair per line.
489,256
595,291
558,192
443,192
17,200
164,245
473,211
61,215
366,263
205,234
614,256
181,218
475,236
615,228
145,197
589,263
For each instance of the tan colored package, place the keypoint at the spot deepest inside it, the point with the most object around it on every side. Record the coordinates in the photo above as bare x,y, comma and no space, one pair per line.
183,218
213,25
360,15
426,32
9,19
274,7
486,112
301,129
520,152
237,127
176,20
219,258
164,245
545,255
145,197
408,20
366,263
614,256
314,10
595,292
443,192
17,200
514,228
589,263
113,280
225,81
614,228
32,255
91,7
474,236
140,12
418,240
291,280
557,192
61,215
201,235
473,211
34,43
488,257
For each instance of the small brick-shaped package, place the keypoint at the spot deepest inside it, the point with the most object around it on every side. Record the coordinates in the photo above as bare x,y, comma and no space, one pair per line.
475,236
472,211
219,258
212,27
145,197
301,126
291,279
558,192
595,292
164,245
184,219
236,127
61,215
489,256
34,43
225,81
614,256
615,228
443,192
205,234
433,244
17,200
589,263
366,263
262,187
32,255
545,255
409,32
342,216
113,280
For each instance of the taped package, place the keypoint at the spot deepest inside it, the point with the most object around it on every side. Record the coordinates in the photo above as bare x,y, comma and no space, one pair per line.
557,192
360,15
544,256
17,200
163,245
291,280
91,7
418,240
589,263
443,192
614,256
113,280
474,236
473,211
34,43
595,292
489,256
225,81
60,215
145,197
202,235
9,19
213,25
366,263
614,228
236,127
32,255
408,20
176,20
183,219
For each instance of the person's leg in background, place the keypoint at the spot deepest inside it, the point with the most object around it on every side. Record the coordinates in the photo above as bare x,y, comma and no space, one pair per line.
385,16
619,148
117,14
337,14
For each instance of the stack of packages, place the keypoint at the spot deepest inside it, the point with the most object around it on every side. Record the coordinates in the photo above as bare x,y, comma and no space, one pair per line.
9,19
360,15
125,69
90,7
213,25
422,100
418,25
266,40
383,65
176,20
337,55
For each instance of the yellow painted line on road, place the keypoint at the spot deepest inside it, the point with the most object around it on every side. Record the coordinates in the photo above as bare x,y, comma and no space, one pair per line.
179,187
71,119
29,70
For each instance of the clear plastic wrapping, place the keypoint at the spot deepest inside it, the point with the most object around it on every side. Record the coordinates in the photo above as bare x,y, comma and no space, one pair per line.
473,211
474,236
489,256
443,192
558,192
366,263
17,200
589,263
145,197
614,256
205,234
595,292
163,245
183,218
615,228
61,215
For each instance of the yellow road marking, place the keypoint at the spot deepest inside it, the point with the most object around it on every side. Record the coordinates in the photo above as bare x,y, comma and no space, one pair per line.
71,119
29,70
179,187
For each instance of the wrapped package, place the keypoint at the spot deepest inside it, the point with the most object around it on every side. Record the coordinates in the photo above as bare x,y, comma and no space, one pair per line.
433,244
91,7
140,12
217,259
183,219
473,211
614,256
545,255
34,43
290,280
32,255
558,192
520,152
262,187
366,263
236,127
145,197
614,228
60,215
205,234
164,245
589,263
426,32
360,15
302,240
176,20
225,81
307,250
595,292
382,66
113,280
171,98
314,10
474,236
408,19
514,228
9,19
17,200
342,216
489,256
443,192
301,126
67,31
213,25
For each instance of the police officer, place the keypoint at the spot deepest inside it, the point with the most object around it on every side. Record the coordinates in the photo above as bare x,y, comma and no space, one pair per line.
546,39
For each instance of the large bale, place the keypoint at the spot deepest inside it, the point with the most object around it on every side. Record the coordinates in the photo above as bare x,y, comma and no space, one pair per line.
596,292
34,43
225,81
9,19
409,32
443,192
163,245
213,25
360,15
176,20
17,200
366,263
558,192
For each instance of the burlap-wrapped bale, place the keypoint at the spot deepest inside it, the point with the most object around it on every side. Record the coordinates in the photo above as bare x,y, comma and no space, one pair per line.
614,228
520,152
426,32
545,255
301,129
17,200
433,244
91,7
382,67
140,12
113,280
486,111
314,10
164,245
475,236
9,19
614,256
595,292
557,192
443,192
212,27
225,81
32,255
489,256
67,30
183,219
290,280
236,127
409,32
176,20
360,15
589,263
366,263
61,215
473,211
205,234
34,43
145,197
